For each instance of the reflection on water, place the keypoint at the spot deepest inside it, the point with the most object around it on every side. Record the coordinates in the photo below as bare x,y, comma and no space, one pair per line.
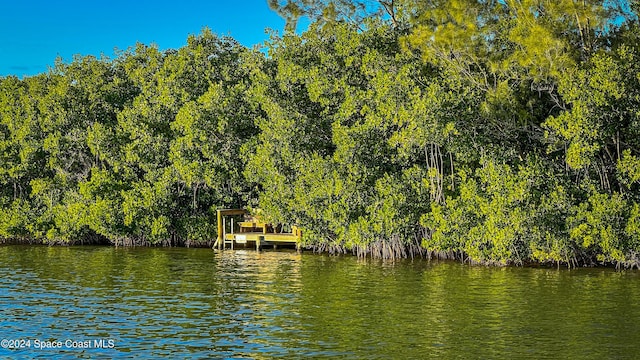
198,303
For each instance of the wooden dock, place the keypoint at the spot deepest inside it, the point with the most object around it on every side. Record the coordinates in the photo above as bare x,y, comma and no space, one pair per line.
252,231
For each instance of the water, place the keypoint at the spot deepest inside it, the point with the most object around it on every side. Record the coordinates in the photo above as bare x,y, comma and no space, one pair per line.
198,303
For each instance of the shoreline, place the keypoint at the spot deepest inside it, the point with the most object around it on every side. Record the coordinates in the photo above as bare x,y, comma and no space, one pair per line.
424,255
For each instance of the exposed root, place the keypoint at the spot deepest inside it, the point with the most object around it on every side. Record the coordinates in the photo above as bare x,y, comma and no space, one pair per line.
332,249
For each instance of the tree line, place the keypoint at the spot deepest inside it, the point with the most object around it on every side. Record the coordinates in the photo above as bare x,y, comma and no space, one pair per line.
498,132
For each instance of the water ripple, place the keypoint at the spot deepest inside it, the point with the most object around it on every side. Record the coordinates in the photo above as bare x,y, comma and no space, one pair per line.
198,303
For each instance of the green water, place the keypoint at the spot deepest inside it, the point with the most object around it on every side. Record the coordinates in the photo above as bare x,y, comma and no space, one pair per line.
198,303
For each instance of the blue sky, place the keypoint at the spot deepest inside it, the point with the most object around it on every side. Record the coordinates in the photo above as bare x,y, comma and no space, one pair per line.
34,32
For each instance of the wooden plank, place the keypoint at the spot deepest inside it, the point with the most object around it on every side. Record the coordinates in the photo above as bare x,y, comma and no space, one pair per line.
230,212
282,238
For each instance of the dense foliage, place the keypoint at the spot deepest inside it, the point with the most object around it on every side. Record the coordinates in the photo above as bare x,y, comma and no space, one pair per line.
490,131
132,150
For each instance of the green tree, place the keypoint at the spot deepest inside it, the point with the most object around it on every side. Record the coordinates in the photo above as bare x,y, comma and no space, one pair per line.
354,12
328,154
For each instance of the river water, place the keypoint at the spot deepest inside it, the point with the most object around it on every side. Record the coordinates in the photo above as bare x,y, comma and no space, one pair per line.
103,302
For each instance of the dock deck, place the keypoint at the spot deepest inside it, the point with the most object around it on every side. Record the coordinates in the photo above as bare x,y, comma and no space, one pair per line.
253,232
260,239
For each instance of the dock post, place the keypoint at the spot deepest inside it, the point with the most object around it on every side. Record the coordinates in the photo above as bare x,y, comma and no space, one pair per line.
220,240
